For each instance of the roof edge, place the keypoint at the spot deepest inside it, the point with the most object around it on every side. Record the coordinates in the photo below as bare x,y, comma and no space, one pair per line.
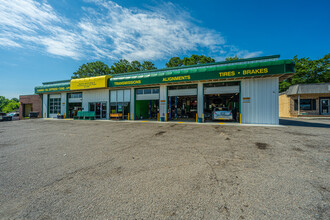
204,64
54,82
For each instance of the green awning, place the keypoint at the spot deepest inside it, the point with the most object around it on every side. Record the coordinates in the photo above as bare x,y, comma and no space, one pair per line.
246,70
56,87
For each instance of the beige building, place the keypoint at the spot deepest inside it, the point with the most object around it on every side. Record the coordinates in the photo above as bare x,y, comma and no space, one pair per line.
307,100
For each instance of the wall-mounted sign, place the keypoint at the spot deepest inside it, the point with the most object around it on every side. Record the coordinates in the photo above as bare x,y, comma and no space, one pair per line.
47,89
176,78
89,83
246,99
205,73
132,82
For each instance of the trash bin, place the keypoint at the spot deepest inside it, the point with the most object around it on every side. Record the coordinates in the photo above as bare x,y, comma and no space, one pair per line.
33,114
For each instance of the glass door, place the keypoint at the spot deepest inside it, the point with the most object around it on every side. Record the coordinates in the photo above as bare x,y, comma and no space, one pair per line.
97,110
100,109
103,110
325,106
126,110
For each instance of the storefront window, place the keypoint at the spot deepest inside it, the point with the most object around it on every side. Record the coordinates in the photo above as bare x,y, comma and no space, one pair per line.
305,104
113,108
147,91
139,91
75,95
120,107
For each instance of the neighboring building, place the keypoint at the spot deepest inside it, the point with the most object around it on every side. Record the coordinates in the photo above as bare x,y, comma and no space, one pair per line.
305,100
247,87
30,103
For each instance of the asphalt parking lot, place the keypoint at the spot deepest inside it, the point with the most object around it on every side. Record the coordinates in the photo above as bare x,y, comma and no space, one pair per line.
59,169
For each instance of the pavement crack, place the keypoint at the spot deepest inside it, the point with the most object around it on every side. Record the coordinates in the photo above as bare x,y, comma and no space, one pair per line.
70,175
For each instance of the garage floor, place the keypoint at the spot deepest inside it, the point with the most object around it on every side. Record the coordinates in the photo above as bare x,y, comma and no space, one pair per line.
95,169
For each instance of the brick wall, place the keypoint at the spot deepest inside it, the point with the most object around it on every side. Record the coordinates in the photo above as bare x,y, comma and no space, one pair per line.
284,105
34,100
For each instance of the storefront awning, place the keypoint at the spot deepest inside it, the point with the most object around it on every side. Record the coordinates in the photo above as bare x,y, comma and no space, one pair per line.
56,87
89,83
229,71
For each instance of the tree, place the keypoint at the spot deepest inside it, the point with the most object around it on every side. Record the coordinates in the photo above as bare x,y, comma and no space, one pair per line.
124,66
15,99
3,102
308,71
7,105
148,65
11,106
187,61
232,58
174,62
97,68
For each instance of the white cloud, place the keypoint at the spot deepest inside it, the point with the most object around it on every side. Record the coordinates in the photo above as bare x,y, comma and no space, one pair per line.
110,31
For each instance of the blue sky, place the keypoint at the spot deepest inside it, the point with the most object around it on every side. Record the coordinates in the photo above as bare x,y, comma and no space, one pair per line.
44,41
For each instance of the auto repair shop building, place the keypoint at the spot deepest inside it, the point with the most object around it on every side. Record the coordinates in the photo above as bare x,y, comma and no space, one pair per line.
246,87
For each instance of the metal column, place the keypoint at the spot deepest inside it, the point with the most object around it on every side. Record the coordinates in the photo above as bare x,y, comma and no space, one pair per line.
132,105
200,101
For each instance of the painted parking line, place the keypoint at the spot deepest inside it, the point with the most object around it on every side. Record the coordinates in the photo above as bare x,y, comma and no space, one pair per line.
180,122
221,123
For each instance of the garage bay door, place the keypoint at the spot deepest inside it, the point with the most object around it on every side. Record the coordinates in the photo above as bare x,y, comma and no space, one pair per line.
221,90
147,94
188,90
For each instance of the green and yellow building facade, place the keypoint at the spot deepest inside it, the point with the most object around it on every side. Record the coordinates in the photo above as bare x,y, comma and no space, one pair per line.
246,87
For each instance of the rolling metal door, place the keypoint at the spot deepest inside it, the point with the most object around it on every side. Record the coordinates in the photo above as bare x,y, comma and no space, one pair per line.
221,90
182,92
147,96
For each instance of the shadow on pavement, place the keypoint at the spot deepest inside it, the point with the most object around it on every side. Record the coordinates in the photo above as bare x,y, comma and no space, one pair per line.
303,123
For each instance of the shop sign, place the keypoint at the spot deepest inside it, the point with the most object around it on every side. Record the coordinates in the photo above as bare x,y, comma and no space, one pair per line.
52,89
132,82
222,72
246,99
120,108
176,78
89,83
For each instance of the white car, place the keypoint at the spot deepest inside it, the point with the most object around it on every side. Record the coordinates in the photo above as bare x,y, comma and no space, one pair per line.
222,113
14,115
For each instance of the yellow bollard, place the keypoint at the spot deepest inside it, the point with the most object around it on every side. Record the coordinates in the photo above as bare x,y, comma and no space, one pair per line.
165,116
196,117
203,118
128,116
157,116
64,115
107,116
240,118
45,115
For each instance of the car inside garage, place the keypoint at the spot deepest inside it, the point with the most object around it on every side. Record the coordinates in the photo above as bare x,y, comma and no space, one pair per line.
221,101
